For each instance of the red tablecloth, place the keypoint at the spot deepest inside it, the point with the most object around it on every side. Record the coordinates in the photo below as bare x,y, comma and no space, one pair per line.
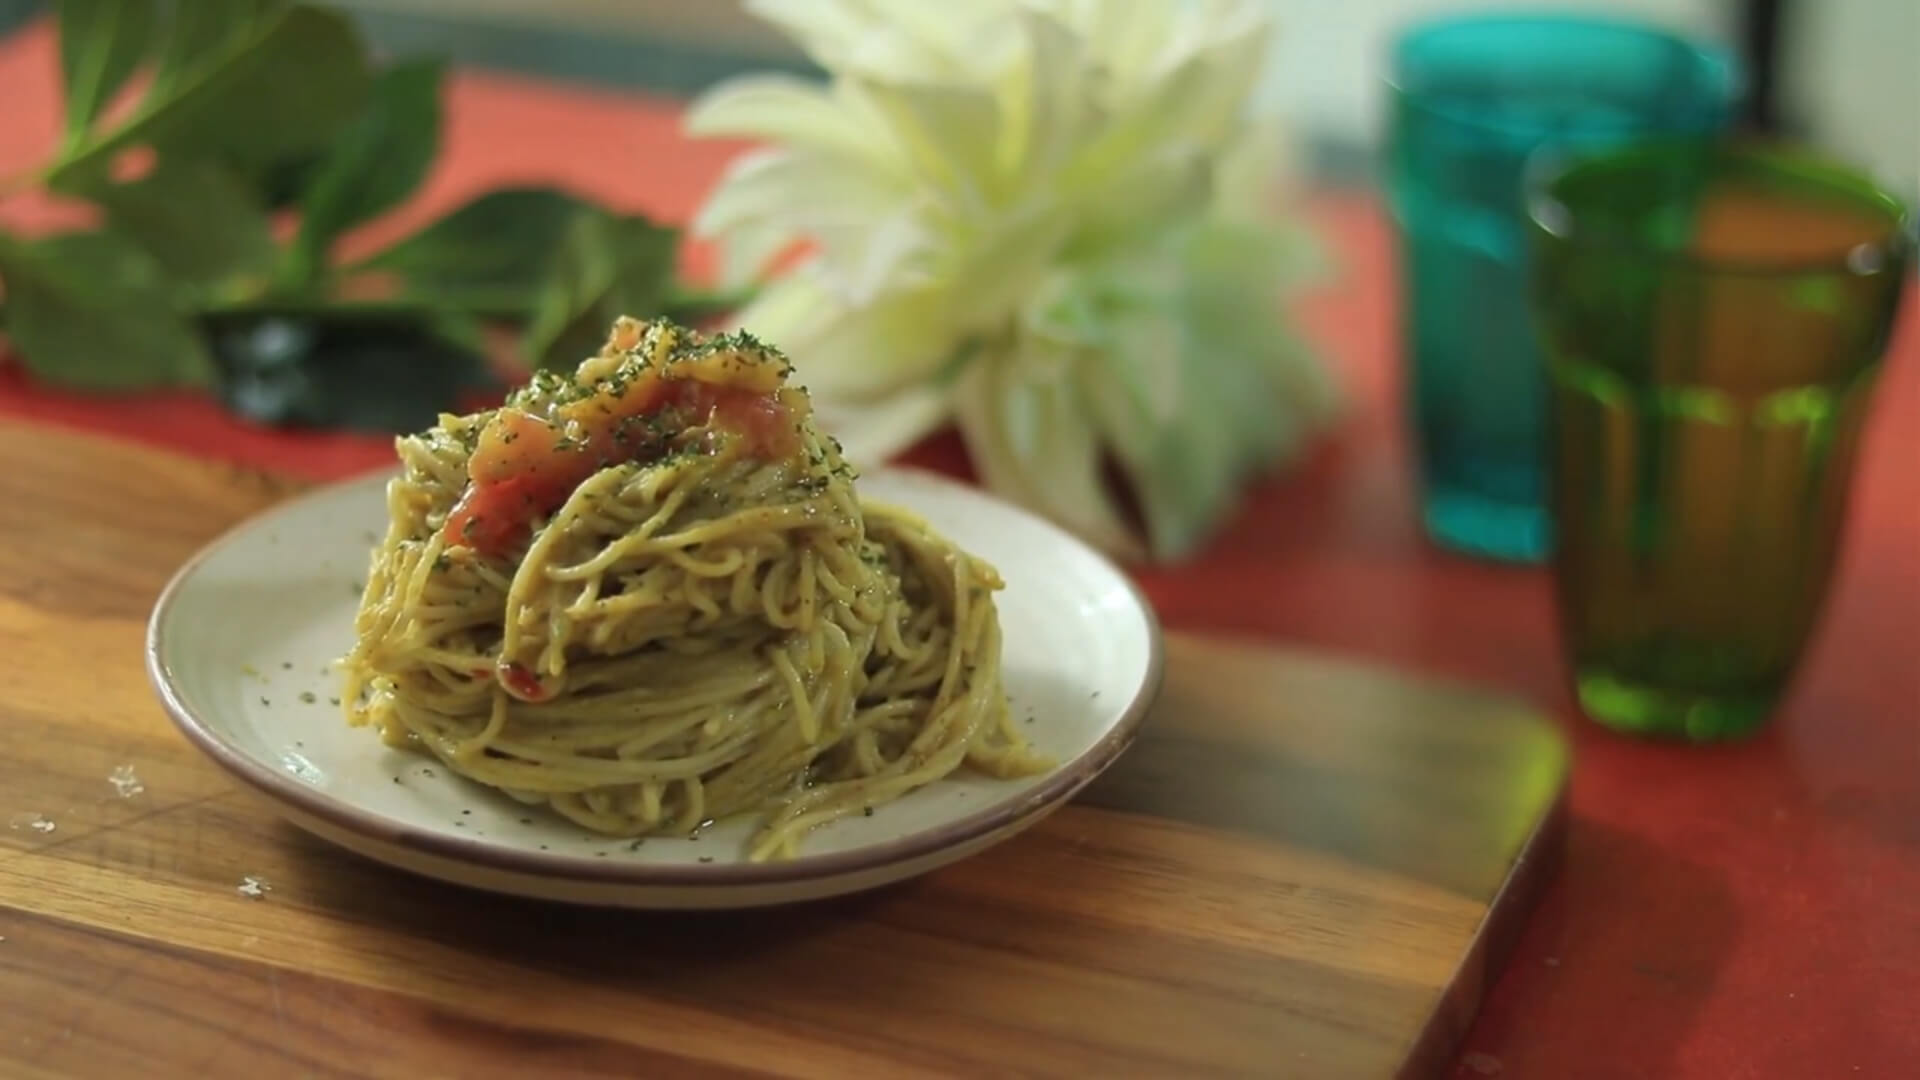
1751,911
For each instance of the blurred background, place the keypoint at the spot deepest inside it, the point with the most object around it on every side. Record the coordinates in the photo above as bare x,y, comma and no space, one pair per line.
1840,73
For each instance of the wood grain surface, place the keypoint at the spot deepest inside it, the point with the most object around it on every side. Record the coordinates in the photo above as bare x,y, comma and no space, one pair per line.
1304,868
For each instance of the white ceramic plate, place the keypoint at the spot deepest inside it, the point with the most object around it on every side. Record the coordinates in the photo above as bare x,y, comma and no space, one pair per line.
242,642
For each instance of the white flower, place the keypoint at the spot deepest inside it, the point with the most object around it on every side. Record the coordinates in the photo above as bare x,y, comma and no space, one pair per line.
1041,219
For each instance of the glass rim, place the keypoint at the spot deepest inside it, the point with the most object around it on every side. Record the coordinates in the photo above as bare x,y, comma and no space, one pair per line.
1548,213
1726,74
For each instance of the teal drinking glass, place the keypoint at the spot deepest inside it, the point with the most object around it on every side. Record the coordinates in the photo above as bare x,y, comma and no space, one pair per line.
1472,99
1715,317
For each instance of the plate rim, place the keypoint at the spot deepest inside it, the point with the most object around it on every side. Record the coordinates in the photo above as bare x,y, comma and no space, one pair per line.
1060,785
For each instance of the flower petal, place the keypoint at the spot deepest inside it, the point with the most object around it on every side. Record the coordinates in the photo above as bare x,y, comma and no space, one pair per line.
1002,270
1245,391
794,113
1031,442
874,431
948,131
1045,102
770,197
857,353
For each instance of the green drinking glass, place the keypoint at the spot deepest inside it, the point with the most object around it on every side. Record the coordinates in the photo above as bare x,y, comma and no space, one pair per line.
1713,318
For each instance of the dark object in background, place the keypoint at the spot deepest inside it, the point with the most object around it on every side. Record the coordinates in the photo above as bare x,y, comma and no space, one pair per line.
378,372
1759,33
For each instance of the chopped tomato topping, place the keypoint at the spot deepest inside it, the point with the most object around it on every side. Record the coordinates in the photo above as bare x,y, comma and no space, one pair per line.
490,517
521,683
525,465
760,419
513,444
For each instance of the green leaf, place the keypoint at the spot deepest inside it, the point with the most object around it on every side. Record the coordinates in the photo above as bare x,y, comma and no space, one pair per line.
93,311
376,163
279,183
197,220
199,28
488,257
279,83
101,43
606,267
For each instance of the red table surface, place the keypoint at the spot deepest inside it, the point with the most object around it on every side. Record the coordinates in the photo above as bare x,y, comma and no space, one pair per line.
1747,911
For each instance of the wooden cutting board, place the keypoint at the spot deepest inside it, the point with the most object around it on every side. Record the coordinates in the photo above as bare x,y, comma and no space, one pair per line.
1304,868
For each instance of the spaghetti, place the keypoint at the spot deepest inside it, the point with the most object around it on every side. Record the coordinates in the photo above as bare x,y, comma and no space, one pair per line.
648,597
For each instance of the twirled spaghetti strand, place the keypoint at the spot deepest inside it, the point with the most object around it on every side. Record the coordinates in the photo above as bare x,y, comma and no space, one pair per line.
710,625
